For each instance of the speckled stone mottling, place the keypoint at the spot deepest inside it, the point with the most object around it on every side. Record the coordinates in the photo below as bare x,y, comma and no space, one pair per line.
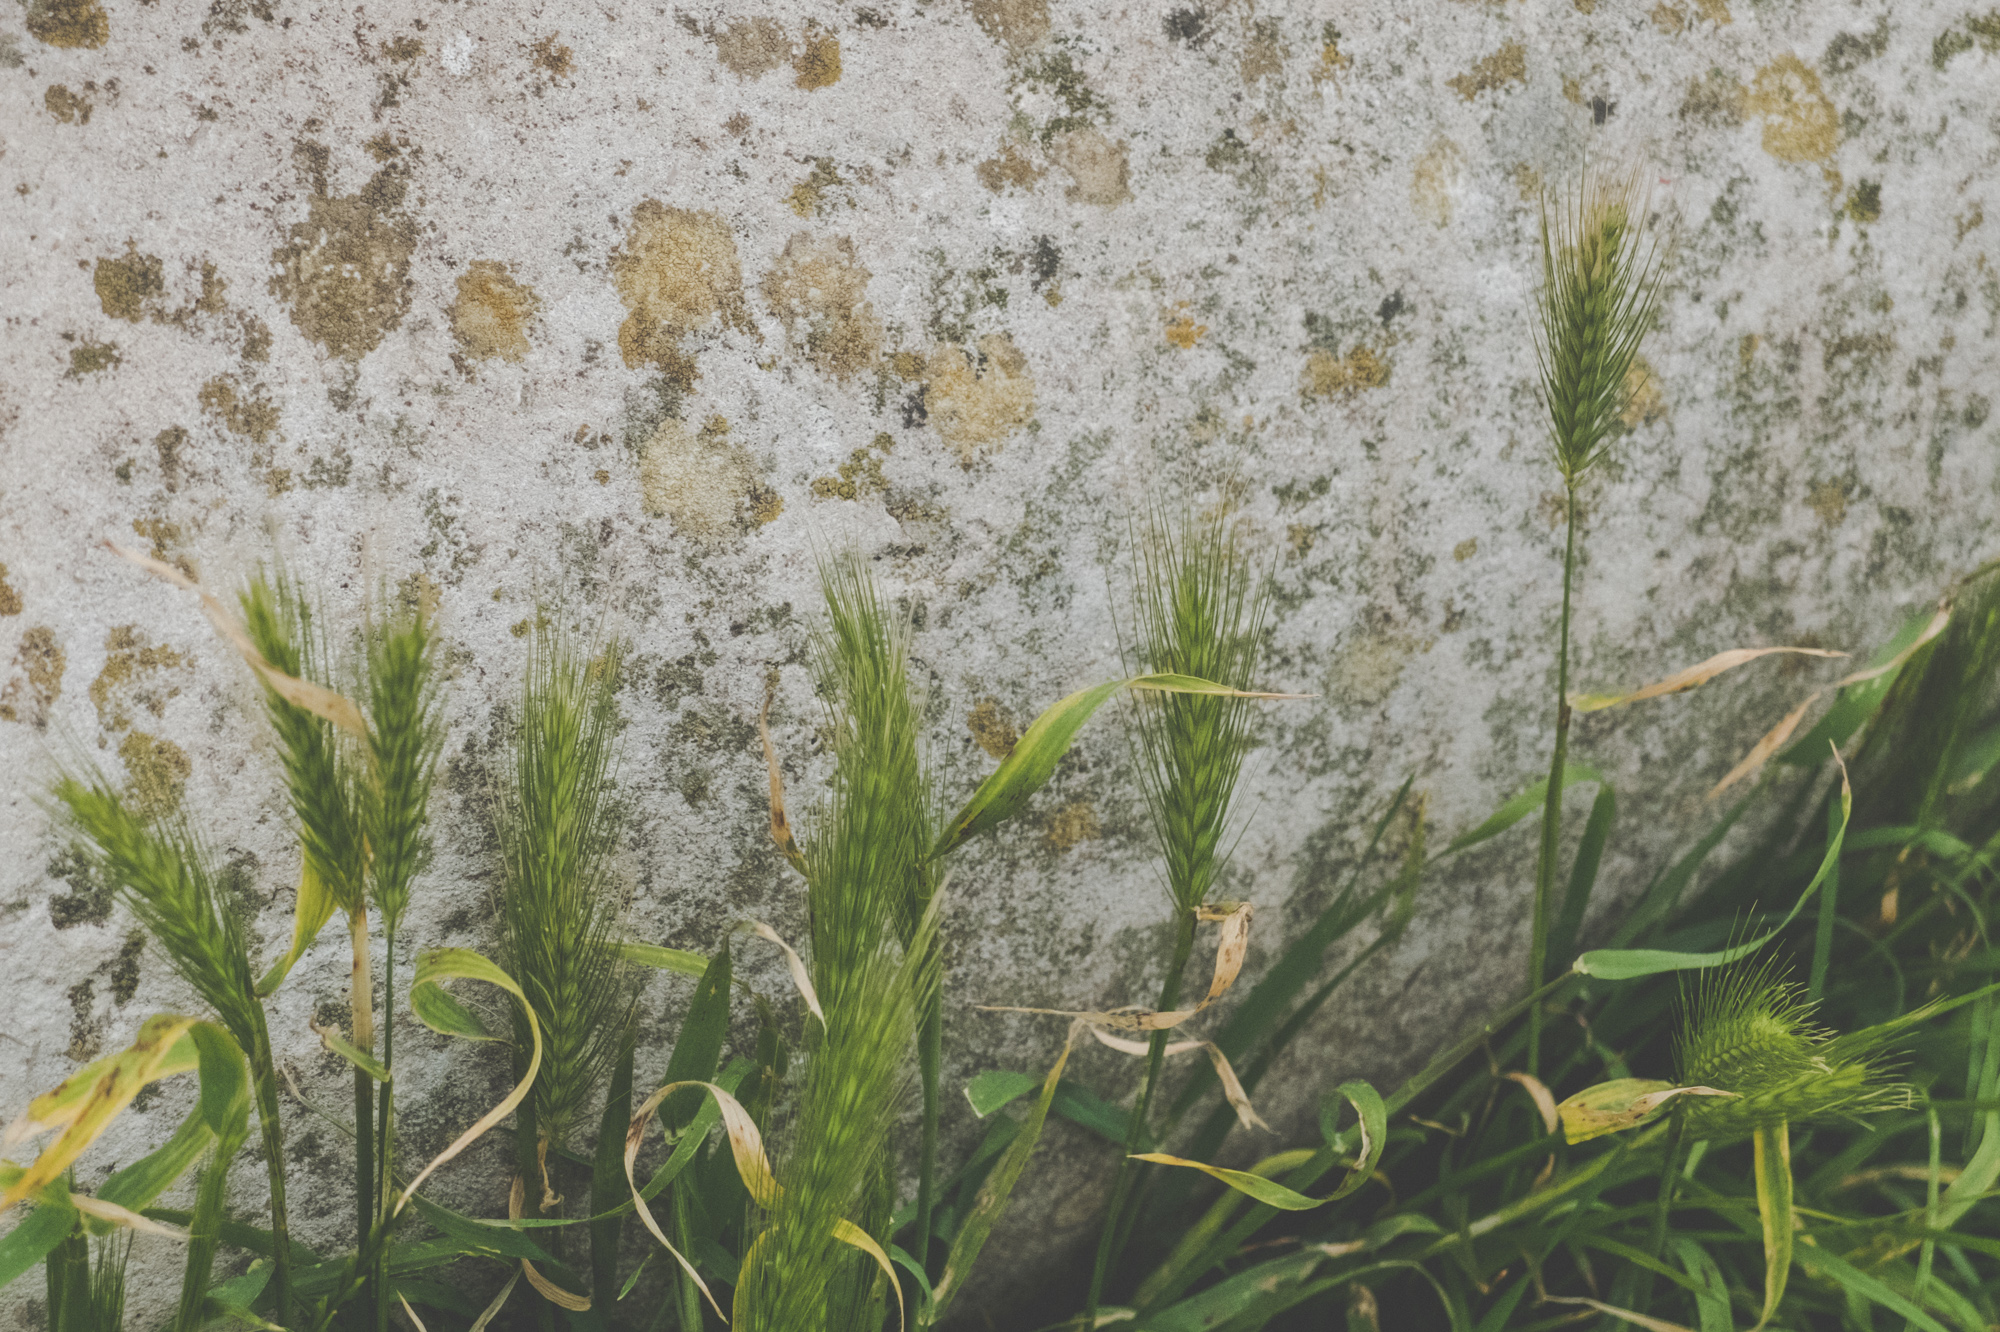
628,309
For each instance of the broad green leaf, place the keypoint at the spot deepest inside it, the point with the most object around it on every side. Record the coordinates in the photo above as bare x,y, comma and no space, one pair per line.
36,1235
994,1195
664,959
1266,1191
1630,964
138,1184
1522,805
1975,759
1223,1302
1028,767
996,1087
698,1049
1821,1262
480,1239
1772,1164
310,913
445,1015
1374,1117
1711,1300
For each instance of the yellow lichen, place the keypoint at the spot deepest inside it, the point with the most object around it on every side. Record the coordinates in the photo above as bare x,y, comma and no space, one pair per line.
1644,400
1828,499
1074,823
68,107
128,677
1715,11
705,483
1011,166
156,773
490,316
129,286
861,475
1435,181
345,270
677,272
752,47
241,410
1465,549
1263,55
1669,18
1800,122
1327,375
818,65
977,397
1182,331
551,56
69,23
10,600
1019,25
992,727
1098,169
819,290
1507,65
1527,182
37,680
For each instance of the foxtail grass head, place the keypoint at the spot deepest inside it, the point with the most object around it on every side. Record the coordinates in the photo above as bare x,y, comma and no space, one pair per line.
1600,292
1748,1031
1201,611
559,903
405,736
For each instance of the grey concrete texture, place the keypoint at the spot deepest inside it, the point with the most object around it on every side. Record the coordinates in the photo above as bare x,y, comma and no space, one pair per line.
625,313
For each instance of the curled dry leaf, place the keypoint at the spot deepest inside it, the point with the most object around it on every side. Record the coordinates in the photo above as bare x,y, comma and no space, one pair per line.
781,827
1225,1073
797,966
746,1146
319,701
1230,950
1545,1100
850,1234
1696,675
548,1289
411,1314
124,1216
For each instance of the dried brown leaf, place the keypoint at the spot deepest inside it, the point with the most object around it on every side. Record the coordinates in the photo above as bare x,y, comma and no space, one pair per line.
781,828
797,966
548,1289
1773,740
1682,681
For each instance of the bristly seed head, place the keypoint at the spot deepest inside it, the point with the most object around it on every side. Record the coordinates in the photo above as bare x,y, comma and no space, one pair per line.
1600,291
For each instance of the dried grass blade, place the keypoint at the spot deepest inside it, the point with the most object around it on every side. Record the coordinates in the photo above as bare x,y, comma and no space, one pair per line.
434,967
1764,748
1693,677
492,1311
848,1233
1931,630
1229,953
781,827
124,1216
1773,1165
797,966
548,1289
319,701
1545,1100
410,1313
745,1145
1647,1321
1225,1073
1230,948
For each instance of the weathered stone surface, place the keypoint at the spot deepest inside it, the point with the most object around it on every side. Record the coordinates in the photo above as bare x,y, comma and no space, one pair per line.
624,309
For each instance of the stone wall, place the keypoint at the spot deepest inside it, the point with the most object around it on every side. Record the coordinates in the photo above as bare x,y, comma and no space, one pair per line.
628,310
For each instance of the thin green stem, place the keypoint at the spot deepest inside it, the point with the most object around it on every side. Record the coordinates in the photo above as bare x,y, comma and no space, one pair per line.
1118,1217
930,1059
385,1155
687,1299
1656,1241
1829,912
264,1077
1545,865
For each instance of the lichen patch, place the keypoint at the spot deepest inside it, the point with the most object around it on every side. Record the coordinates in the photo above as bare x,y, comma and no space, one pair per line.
131,285
1434,184
1010,166
156,774
1099,169
705,483
819,290
241,409
490,317
861,475
1507,65
91,357
345,271
750,48
1018,25
76,24
992,727
677,273
35,682
132,677
1182,330
10,600
1800,122
976,397
68,107
1073,824
1645,400
1327,375
817,65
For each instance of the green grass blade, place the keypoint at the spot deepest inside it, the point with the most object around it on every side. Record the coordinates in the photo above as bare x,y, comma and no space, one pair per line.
1832,1267
36,1235
1519,807
607,1176
1711,1300
1773,1169
1583,875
